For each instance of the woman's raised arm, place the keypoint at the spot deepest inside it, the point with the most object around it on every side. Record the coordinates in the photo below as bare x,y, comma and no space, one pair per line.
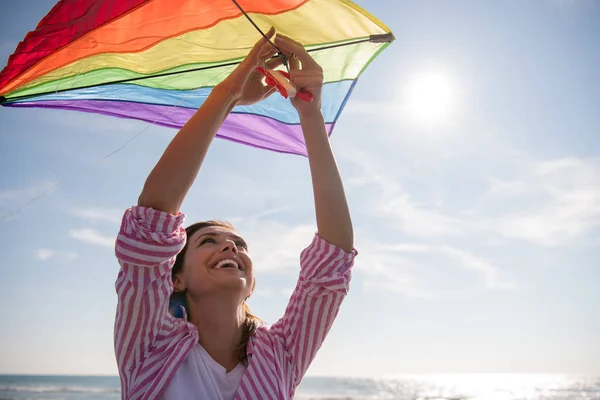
170,180
333,216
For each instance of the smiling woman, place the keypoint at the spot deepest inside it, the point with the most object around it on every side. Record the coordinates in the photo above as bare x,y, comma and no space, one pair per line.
193,266
213,347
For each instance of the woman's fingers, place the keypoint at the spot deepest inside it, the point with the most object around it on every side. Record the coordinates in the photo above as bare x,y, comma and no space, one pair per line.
273,63
262,50
303,72
262,41
291,47
293,62
307,81
304,78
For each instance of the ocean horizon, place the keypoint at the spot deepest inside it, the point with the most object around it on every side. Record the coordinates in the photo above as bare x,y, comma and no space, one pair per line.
402,387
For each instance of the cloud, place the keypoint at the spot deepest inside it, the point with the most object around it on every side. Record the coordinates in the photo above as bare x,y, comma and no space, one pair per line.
92,236
274,243
419,220
553,202
418,270
110,215
270,292
482,267
385,271
26,193
275,246
263,292
511,195
428,271
14,199
451,211
507,188
389,200
46,254
287,291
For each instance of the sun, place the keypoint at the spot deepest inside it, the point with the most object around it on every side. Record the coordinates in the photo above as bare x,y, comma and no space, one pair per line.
430,97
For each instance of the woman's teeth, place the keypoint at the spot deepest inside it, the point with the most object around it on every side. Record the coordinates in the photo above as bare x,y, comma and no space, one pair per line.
227,264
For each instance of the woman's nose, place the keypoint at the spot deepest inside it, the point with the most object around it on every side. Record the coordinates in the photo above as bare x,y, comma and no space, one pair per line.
230,245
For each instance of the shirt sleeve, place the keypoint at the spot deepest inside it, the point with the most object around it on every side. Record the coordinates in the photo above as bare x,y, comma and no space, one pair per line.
146,247
323,284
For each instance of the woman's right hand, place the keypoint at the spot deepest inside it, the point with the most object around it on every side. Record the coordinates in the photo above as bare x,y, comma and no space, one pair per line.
305,73
245,83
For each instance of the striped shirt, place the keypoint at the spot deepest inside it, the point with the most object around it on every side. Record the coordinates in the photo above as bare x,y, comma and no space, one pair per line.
150,344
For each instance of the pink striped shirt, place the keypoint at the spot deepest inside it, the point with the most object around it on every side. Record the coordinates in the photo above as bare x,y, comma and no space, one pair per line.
151,344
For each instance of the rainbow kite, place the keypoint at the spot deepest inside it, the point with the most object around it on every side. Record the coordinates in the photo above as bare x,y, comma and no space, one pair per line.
157,60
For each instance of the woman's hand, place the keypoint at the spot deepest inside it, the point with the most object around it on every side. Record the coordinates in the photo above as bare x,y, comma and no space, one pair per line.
245,83
305,73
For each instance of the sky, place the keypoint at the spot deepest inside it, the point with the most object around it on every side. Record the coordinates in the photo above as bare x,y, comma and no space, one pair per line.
470,153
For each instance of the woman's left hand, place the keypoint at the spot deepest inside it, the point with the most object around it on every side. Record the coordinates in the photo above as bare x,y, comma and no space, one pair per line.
245,83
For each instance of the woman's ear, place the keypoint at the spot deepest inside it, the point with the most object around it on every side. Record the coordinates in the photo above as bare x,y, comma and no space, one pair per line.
178,284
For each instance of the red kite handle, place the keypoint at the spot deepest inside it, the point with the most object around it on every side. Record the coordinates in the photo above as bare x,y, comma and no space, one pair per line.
300,94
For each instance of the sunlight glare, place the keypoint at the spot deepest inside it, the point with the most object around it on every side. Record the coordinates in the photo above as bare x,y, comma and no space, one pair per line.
430,97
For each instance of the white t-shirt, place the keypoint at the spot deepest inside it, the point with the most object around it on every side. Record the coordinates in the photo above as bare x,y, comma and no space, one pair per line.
201,377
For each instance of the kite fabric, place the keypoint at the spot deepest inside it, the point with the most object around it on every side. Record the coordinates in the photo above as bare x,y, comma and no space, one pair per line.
158,60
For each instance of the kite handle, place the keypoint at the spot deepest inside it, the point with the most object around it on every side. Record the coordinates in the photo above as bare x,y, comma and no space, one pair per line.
281,81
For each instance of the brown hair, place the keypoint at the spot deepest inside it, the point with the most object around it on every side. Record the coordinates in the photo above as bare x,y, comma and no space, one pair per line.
251,322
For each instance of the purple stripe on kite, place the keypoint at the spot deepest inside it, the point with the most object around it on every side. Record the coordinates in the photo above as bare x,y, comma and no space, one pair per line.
249,129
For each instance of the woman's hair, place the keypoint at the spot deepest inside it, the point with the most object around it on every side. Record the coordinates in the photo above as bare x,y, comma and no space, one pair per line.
251,322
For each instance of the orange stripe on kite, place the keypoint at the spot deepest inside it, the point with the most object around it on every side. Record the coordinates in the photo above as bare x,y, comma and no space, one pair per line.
147,26
66,22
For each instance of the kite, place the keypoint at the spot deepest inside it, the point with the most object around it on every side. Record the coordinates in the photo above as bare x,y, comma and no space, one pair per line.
158,60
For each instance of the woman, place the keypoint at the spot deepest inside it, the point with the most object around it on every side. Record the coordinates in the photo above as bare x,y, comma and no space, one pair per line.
217,349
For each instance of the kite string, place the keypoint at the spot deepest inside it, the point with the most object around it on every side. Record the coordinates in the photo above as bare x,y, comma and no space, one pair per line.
103,158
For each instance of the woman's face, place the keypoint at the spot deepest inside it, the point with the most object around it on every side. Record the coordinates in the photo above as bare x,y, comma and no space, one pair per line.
216,260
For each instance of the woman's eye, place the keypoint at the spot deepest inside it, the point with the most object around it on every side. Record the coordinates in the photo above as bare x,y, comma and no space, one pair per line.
207,240
241,244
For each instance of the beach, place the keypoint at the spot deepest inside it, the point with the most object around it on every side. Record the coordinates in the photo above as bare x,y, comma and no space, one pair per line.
409,387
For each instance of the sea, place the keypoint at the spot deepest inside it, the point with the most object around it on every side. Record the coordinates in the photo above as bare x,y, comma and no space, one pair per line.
405,387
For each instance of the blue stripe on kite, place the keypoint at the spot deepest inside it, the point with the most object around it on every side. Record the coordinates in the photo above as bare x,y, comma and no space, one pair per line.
276,107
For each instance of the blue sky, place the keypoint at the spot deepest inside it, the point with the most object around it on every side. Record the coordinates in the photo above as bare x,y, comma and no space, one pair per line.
476,209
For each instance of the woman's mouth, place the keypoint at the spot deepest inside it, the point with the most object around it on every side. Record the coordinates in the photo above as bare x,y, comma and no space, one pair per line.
227,264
